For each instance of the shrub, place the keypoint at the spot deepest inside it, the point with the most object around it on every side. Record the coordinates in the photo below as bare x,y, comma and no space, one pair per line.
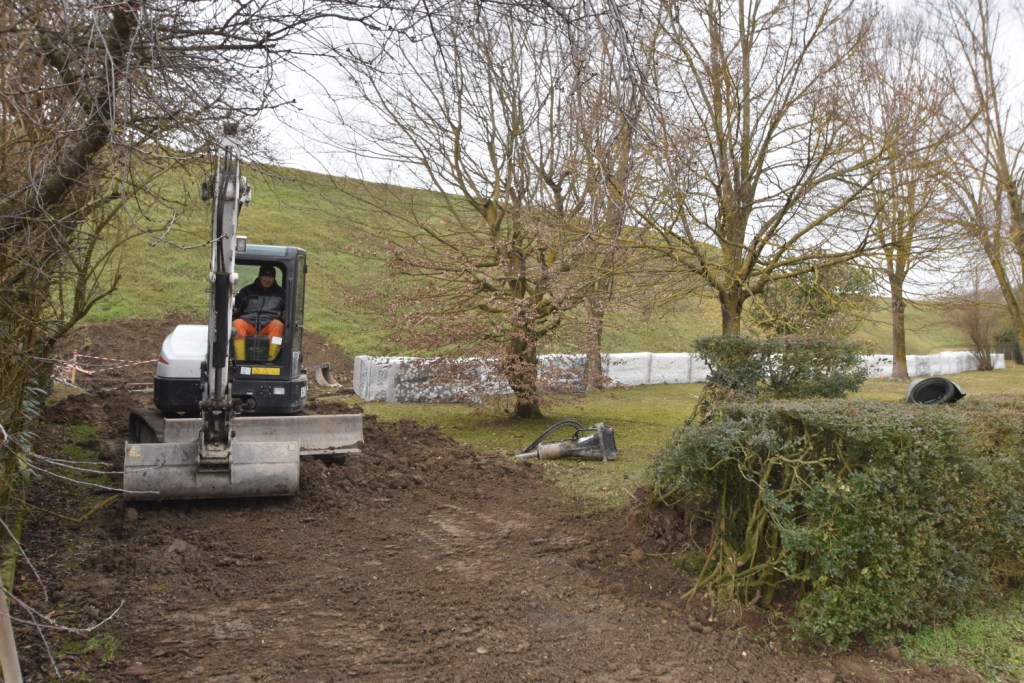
879,517
782,367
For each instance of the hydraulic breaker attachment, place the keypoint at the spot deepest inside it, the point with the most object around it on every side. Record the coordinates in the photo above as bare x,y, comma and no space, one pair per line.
587,443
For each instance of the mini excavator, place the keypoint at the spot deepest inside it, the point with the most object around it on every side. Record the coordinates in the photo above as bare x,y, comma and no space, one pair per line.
228,418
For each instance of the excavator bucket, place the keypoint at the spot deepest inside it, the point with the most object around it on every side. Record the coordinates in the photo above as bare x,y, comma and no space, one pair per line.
162,471
324,377
163,461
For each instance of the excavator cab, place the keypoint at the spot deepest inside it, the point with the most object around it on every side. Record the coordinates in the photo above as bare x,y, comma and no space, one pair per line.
269,378
259,384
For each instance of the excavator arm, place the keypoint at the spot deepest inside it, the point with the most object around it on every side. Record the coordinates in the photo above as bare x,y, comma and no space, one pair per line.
228,190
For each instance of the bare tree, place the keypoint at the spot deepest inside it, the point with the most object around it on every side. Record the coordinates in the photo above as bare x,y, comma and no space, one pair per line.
613,57
755,157
987,191
907,110
979,311
480,111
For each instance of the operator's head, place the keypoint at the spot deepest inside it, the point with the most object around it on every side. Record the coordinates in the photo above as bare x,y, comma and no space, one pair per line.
267,276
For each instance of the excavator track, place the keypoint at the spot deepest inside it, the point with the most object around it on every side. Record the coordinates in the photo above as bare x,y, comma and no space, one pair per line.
145,425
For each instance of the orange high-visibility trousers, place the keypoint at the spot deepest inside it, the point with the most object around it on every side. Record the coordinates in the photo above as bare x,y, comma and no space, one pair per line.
275,328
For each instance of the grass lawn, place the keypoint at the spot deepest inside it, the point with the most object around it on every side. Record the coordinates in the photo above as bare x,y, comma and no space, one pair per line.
990,643
643,418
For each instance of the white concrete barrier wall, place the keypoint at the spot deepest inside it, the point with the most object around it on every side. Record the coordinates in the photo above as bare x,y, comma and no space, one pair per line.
562,372
670,368
877,366
372,375
628,369
406,379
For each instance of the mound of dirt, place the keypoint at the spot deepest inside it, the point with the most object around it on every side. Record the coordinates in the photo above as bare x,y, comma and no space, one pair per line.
418,559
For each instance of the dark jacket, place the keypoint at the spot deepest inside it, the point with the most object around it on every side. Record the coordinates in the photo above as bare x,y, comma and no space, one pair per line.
255,306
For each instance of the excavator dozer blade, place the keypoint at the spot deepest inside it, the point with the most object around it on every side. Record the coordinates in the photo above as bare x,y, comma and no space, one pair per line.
169,471
316,434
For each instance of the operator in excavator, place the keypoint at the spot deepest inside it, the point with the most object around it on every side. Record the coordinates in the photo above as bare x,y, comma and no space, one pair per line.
259,309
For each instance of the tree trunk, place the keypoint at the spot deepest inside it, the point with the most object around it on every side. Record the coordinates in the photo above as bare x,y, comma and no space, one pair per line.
527,408
521,373
731,301
1006,287
899,331
14,375
593,370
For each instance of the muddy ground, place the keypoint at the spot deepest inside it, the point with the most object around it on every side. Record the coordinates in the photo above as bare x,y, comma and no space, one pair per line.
419,559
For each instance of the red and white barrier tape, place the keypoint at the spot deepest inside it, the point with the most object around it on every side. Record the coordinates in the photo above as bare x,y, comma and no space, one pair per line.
124,364
73,367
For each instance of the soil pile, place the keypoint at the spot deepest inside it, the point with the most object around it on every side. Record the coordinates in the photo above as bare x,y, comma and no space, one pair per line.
419,559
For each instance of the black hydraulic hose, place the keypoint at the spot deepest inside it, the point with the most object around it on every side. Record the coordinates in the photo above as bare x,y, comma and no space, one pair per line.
221,307
550,429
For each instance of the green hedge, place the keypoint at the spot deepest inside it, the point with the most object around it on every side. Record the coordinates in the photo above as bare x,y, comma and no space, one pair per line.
878,518
796,366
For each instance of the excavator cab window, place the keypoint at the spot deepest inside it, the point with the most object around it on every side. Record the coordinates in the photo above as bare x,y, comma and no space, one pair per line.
262,341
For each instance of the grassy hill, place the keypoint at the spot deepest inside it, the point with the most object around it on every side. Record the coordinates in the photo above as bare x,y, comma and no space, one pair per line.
348,287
